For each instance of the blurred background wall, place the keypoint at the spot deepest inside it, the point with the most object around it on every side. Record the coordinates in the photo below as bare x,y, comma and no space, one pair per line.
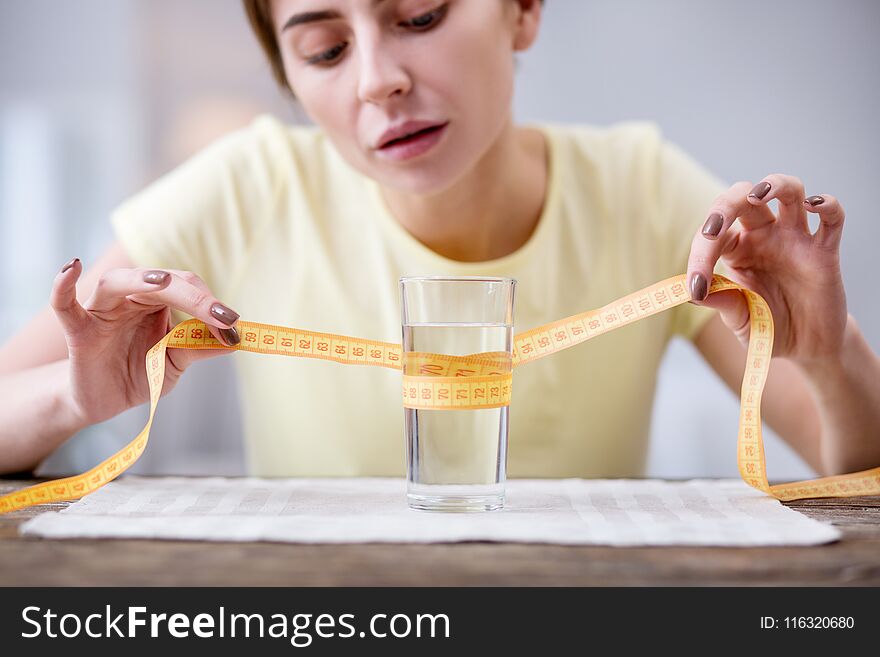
99,97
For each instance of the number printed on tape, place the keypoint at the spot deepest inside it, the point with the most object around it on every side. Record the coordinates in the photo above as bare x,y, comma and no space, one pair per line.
476,381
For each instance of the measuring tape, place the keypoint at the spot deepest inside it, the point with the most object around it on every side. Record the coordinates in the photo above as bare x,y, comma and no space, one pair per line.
475,381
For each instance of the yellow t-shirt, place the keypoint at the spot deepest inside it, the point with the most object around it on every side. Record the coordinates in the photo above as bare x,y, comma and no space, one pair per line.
284,231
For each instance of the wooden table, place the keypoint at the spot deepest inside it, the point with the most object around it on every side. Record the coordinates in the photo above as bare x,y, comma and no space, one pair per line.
852,561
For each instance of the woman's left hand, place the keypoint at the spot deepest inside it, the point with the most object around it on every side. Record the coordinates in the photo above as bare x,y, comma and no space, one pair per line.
797,273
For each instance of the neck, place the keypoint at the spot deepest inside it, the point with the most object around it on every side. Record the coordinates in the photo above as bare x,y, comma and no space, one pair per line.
489,212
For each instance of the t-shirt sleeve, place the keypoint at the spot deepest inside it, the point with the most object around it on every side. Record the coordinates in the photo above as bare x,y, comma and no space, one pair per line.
685,191
203,216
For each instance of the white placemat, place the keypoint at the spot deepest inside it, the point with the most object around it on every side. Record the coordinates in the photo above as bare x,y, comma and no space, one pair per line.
373,510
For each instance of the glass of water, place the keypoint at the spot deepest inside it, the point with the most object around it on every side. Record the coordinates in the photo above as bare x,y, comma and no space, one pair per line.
456,460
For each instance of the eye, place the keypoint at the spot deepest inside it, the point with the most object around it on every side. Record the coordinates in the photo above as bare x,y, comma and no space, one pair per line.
328,56
421,23
426,21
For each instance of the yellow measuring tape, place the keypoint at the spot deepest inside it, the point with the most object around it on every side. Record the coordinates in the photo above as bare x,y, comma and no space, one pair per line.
441,381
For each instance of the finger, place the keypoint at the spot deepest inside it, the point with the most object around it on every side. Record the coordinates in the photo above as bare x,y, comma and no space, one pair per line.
182,358
831,218
714,238
734,310
732,241
160,287
188,276
191,278
115,284
62,298
731,205
789,192
228,336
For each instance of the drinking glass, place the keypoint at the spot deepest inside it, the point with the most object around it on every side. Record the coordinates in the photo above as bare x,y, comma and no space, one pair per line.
456,460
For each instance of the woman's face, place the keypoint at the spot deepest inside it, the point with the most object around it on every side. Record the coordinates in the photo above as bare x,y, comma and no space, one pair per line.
362,68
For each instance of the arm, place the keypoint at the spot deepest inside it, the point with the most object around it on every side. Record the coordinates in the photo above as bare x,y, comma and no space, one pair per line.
198,218
847,395
829,374
42,341
37,415
828,412
101,370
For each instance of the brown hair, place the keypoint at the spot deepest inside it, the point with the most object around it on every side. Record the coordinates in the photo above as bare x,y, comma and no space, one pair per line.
260,18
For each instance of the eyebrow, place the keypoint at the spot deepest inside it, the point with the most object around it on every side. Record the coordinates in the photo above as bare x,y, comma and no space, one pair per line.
309,17
315,16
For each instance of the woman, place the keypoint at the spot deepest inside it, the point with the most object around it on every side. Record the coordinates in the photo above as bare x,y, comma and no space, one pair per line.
416,167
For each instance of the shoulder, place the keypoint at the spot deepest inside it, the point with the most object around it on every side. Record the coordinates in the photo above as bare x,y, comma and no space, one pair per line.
630,160
266,149
256,166
615,145
619,165
281,158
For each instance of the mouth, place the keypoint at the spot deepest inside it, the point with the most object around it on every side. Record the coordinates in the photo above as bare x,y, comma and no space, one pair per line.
413,136
413,143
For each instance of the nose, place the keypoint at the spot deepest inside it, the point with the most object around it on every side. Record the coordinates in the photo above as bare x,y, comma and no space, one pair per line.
382,76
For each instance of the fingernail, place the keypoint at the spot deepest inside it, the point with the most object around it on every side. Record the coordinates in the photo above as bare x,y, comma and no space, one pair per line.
230,336
69,265
224,314
698,287
713,225
156,277
815,200
760,190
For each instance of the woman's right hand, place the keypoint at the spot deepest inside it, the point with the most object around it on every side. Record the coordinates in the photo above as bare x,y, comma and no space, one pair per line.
108,337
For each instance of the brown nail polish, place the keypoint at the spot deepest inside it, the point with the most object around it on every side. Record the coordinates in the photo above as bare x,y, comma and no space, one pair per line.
230,336
69,265
760,190
698,287
156,277
815,200
224,314
713,225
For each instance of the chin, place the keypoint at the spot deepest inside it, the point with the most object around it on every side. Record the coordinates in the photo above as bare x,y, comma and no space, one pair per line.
420,180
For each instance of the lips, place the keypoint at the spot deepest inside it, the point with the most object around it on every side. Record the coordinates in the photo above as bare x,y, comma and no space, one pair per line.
408,130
